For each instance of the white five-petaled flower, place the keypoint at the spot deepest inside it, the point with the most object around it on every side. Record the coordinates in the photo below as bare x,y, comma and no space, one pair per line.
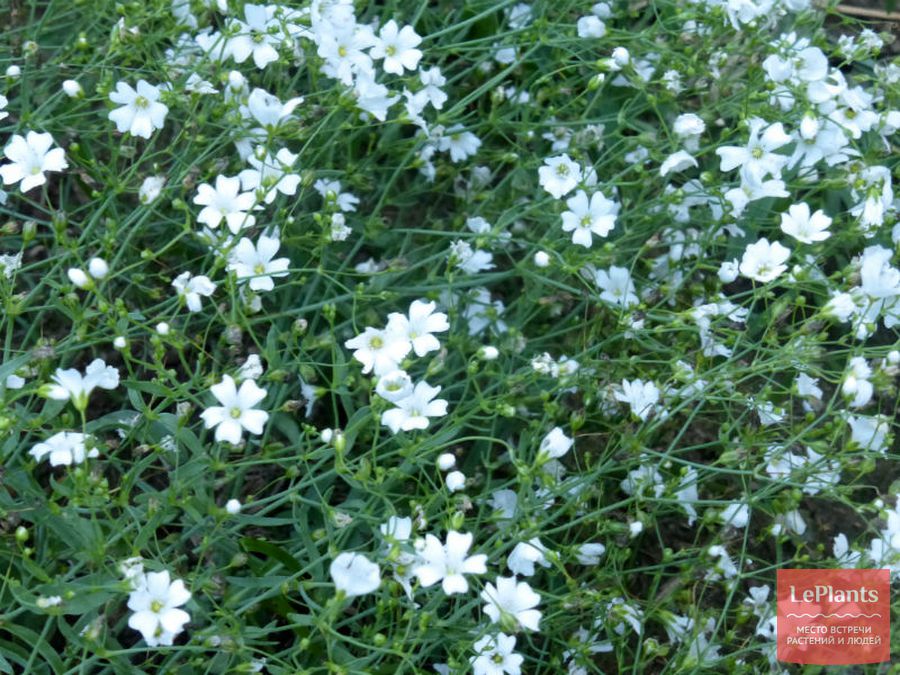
616,286
555,444
585,217
271,175
354,574
379,351
155,602
512,602
763,261
63,448
757,159
413,411
448,562
803,226
641,396
191,288
419,325
225,201
255,264
237,411
397,46
495,656
252,36
524,556
559,175
141,110
30,156
71,384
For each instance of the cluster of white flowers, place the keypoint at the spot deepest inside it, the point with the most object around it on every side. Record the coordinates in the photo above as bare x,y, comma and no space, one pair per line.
382,351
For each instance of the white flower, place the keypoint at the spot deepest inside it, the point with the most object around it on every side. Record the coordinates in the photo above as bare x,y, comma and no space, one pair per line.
469,260
354,574
757,159
268,109
524,556
736,514
728,271
225,201
63,448
10,263
151,188
237,411
763,261
495,656
678,161
559,175
372,96
413,411
448,562
379,350
459,143
70,384
3,103
419,326
141,110
590,553
155,602
331,192
271,175
802,226
397,47
394,386
191,288
616,286
31,155
233,507
255,263
433,80
870,433
590,27
254,37
512,601
555,444
586,217
641,396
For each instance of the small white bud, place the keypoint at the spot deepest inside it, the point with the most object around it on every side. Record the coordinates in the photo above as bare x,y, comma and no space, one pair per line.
98,268
233,506
162,328
72,89
541,259
489,353
446,461
78,277
456,480
119,342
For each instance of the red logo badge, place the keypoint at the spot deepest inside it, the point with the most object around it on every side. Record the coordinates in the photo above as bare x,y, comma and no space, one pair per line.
834,617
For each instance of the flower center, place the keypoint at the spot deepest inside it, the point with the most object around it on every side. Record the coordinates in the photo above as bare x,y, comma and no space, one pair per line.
562,170
390,50
757,153
156,606
259,268
141,102
585,221
376,342
236,413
